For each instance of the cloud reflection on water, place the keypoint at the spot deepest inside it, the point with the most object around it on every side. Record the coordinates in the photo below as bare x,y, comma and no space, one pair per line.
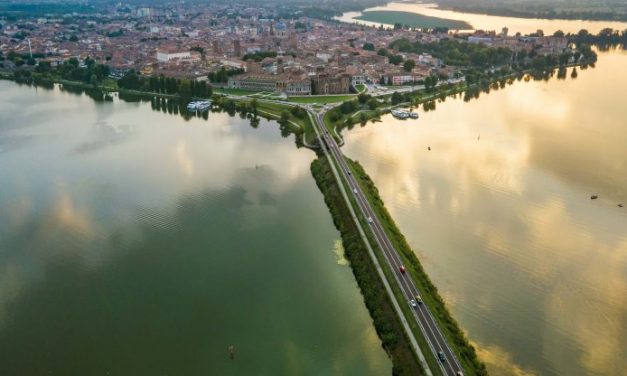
499,212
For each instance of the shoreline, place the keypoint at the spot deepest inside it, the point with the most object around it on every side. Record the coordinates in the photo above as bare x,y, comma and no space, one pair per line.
385,320
484,21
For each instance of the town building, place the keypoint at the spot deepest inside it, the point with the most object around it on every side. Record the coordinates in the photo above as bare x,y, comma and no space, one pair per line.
165,56
330,84
288,84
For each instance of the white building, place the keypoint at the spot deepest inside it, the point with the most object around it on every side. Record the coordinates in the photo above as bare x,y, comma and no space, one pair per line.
236,64
167,56
358,79
323,56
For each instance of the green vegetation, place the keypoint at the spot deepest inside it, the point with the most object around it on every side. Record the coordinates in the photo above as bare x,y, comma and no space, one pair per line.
291,119
483,64
71,70
222,75
287,117
457,339
258,56
115,34
457,53
605,39
226,90
412,20
614,10
408,65
360,88
321,98
359,110
386,322
323,10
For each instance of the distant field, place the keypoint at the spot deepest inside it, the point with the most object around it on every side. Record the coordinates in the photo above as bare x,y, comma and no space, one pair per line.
412,20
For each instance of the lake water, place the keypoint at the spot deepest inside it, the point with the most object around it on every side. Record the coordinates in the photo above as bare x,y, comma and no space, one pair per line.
134,242
499,213
486,22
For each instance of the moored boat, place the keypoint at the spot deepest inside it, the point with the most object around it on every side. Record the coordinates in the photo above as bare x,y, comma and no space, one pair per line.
400,114
198,106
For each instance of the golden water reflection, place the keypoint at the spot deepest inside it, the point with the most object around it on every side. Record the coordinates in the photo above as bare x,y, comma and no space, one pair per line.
487,22
499,211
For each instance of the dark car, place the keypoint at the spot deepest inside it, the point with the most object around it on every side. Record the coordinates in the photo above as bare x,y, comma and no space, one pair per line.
441,356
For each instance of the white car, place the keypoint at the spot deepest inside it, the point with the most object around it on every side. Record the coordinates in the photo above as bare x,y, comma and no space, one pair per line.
370,220
355,190
413,303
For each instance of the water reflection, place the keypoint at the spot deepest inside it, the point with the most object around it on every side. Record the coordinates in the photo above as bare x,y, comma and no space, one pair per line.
499,211
134,242
485,22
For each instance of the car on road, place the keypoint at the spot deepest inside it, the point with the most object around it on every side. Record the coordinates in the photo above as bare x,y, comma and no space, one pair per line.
441,356
370,220
349,172
459,373
355,190
413,303
402,269
418,299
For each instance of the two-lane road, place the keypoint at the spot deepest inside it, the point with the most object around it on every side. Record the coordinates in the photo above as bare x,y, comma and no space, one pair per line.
421,313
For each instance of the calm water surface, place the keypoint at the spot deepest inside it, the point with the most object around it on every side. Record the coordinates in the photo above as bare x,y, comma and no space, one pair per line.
499,212
134,242
486,22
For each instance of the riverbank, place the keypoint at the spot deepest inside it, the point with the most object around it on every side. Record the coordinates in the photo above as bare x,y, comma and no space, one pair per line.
456,337
487,22
408,19
475,209
539,10
386,322
249,107
336,120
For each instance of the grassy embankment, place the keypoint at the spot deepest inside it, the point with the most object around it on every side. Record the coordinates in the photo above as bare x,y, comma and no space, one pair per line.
427,98
386,322
226,90
274,110
321,99
412,20
336,119
457,339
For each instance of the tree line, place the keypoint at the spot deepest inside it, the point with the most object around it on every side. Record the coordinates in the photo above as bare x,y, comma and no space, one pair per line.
184,88
457,53
89,72
222,75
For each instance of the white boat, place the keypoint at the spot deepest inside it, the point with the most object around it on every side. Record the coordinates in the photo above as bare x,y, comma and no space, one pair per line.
400,114
413,115
198,106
